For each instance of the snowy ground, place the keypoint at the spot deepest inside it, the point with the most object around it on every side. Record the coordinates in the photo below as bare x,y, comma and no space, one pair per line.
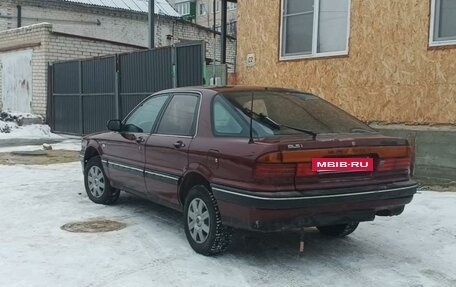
417,248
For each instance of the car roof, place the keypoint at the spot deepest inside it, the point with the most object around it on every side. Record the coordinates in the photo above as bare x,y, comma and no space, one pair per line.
224,89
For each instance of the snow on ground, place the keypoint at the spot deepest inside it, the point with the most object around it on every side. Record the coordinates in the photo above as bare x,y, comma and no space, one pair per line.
415,249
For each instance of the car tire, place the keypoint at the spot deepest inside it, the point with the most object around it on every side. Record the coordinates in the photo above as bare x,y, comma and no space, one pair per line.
97,185
339,230
203,223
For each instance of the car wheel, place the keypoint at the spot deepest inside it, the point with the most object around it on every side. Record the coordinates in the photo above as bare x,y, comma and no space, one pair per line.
203,223
97,184
339,230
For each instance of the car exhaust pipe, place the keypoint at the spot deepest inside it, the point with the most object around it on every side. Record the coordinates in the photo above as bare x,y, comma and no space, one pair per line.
390,212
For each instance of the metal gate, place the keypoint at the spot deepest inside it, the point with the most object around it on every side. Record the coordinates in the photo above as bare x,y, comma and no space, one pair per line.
85,94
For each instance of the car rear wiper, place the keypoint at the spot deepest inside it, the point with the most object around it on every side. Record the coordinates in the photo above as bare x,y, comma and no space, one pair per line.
313,134
270,122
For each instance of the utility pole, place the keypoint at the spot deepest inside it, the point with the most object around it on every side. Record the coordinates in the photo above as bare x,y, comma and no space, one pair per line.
223,32
214,11
151,24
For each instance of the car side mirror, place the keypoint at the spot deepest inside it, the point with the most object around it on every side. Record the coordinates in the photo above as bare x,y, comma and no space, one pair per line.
114,125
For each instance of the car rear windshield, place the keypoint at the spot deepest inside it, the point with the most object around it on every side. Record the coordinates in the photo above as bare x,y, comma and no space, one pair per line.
284,113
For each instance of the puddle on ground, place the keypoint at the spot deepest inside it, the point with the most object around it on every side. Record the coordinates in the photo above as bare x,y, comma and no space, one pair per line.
93,226
39,157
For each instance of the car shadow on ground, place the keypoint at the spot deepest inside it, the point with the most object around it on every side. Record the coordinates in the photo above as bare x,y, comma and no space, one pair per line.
246,243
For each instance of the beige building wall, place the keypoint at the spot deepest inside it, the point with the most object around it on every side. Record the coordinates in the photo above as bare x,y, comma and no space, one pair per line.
390,74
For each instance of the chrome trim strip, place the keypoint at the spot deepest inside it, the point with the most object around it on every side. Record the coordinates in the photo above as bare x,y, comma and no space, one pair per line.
310,197
162,175
125,166
140,170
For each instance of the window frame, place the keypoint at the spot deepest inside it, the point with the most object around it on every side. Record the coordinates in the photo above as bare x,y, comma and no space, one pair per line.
202,12
184,7
432,27
165,107
314,53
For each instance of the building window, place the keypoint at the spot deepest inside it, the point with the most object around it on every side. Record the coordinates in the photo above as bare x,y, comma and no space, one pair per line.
443,22
202,9
183,8
314,28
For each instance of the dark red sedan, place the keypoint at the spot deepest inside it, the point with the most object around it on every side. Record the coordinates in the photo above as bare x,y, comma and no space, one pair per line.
240,157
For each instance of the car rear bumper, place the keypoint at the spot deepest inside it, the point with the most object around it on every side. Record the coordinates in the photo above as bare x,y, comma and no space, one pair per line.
267,211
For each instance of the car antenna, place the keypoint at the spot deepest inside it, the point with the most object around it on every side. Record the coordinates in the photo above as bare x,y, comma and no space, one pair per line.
251,120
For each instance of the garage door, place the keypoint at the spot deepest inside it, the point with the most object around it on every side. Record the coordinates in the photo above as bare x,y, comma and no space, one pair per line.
16,81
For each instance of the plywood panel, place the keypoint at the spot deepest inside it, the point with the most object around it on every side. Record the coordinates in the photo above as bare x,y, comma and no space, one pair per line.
390,74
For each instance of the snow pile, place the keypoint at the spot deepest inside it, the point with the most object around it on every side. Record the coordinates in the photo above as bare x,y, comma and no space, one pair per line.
26,132
12,126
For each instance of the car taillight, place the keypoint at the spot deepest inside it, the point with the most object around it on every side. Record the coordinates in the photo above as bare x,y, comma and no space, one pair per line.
305,169
273,165
390,164
275,170
298,163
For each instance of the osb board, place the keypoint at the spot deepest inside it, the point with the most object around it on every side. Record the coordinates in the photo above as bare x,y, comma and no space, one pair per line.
389,75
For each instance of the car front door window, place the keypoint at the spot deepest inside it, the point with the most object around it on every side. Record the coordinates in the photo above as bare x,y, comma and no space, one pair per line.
143,118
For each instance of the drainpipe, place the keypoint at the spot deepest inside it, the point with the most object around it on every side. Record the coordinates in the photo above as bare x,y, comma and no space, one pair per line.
19,16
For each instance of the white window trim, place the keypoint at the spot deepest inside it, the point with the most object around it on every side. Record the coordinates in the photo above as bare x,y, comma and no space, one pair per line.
314,53
181,8
432,42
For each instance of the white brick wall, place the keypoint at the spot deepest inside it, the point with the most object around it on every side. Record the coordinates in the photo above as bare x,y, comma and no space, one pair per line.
92,22
50,47
110,24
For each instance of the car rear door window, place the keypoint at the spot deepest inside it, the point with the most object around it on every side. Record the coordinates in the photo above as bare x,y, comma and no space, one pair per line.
143,118
180,116
225,122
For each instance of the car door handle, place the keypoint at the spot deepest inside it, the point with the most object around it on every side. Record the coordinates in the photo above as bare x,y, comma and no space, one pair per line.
179,144
140,140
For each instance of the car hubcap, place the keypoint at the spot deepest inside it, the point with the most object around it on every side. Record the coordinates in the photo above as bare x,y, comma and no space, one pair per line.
198,220
96,181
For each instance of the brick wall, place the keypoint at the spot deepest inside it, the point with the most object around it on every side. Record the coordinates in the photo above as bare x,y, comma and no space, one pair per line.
50,47
111,24
6,14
